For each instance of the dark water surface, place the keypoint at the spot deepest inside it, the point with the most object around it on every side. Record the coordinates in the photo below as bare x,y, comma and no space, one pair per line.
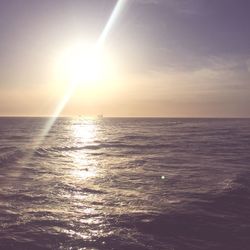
125,184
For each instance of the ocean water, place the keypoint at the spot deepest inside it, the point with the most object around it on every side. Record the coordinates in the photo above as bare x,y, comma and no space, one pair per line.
125,183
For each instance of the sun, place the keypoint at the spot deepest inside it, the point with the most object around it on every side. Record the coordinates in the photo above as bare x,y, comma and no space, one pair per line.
86,71
82,64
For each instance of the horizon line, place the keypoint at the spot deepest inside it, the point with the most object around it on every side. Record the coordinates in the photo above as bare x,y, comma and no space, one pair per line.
152,117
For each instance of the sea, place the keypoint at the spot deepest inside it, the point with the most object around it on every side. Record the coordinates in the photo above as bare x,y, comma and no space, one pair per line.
124,183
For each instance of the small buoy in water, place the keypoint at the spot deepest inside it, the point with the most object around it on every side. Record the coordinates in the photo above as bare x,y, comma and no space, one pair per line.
163,177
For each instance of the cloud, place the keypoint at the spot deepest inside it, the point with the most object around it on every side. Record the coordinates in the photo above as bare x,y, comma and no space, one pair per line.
221,79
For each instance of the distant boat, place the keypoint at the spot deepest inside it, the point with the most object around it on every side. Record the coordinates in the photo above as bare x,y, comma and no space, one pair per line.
100,116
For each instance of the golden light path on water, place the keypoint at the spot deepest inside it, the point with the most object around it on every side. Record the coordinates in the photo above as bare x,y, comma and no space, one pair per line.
84,133
73,85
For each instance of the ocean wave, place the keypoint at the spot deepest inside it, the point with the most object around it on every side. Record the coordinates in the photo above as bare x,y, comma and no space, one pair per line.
23,197
10,157
75,189
139,137
45,151
7,149
17,137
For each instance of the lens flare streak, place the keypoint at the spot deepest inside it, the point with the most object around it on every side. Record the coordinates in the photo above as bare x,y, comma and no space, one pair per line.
117,10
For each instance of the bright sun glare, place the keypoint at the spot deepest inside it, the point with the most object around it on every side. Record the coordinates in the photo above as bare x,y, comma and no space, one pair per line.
83,64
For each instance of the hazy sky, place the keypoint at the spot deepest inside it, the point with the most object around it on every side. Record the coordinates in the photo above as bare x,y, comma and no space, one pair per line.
171,57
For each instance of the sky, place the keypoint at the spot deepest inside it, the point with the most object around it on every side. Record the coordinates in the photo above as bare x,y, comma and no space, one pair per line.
173,58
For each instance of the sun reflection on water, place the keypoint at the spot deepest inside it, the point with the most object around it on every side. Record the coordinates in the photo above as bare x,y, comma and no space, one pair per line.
84,174
84,130
84,134
81,178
